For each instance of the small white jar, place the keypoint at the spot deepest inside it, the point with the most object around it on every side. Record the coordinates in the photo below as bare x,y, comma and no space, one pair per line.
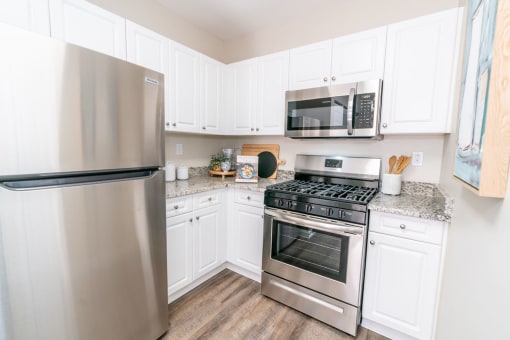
170,172
391,184
182,172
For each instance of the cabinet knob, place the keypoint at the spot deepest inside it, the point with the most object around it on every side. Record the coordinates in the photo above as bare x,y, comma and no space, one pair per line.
176,207
190,220
174,124
325,79
333,78
257,129
402,226
252,129
209,199
197,218
167,124
385,125
248,198
203,127
372,242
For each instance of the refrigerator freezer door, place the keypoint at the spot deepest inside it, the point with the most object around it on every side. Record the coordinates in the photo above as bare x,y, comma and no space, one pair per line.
68,109
84,262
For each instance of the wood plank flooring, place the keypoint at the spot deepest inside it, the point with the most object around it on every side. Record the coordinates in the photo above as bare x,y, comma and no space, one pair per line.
230,306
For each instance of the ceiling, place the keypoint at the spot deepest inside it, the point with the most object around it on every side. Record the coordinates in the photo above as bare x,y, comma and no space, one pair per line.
231,19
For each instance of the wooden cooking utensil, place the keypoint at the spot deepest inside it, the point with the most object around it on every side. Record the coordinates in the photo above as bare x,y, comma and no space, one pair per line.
392,161
405,162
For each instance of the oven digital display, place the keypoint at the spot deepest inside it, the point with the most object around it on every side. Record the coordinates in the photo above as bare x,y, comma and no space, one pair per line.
333,163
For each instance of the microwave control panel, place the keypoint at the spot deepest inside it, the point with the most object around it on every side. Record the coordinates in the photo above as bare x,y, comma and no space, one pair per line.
364,111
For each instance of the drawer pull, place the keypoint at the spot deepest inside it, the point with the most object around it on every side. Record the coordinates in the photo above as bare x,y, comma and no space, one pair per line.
190,220
176,207
372,242
402,226
197,218
209,199
248,198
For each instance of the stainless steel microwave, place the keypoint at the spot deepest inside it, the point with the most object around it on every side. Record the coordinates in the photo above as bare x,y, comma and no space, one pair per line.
344,110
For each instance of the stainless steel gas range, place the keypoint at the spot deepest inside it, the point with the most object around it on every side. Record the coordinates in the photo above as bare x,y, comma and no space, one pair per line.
315,230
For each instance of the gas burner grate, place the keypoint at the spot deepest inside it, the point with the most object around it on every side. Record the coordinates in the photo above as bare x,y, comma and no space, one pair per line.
340,192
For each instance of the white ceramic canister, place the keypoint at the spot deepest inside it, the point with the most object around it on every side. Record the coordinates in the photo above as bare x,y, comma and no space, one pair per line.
391,184
182,172
170,172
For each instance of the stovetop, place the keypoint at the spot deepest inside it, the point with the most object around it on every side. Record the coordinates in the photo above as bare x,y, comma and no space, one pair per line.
339,192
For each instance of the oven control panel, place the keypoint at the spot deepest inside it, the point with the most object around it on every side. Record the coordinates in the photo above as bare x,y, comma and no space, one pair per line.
335,213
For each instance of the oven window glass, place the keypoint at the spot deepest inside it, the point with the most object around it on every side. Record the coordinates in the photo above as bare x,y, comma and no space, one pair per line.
318,114
313,250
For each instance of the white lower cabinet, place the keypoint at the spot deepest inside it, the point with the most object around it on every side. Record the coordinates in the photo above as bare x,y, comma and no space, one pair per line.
402,276
196,239
245,232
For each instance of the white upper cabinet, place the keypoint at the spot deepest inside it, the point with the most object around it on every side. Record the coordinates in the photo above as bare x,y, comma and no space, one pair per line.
211,94
420,74
32,15
350,58
184,88
310,65
146,48
358,56
81,23
272,82
255,92
241,85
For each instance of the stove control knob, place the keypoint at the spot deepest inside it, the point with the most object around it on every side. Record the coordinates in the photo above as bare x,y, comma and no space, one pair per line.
279,202
309,208
329,211
289,204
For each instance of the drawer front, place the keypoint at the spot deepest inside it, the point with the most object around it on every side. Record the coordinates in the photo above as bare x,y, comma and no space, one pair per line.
407,227
248,197
207,199
179,205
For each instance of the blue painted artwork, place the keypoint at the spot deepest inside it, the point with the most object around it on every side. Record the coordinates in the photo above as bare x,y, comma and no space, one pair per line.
481,24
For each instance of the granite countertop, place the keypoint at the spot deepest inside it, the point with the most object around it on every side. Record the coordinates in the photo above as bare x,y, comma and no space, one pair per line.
422,200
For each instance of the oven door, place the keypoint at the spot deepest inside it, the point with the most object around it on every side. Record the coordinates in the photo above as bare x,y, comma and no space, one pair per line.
319,254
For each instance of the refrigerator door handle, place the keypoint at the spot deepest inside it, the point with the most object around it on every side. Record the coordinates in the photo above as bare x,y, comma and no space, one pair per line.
75,179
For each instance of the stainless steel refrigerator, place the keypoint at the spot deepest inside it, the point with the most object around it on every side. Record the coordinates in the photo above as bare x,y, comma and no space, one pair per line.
82,215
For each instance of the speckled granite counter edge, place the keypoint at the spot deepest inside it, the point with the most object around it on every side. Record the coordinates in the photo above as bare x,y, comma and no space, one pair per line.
422,200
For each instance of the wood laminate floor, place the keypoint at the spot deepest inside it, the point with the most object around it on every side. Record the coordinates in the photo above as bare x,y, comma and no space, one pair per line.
230,306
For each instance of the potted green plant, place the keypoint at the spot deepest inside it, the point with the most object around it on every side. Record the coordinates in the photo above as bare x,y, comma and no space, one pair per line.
216,160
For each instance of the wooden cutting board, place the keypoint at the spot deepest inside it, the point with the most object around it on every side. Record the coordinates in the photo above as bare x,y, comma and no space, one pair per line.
256,149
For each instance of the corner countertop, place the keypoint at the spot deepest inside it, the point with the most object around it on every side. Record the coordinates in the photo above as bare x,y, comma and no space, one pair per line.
199,184
422,200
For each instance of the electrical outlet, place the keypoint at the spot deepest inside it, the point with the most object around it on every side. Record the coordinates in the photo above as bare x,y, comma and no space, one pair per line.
417,158
178,149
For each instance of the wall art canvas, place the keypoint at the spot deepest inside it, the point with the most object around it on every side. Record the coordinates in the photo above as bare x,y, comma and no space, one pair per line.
478,56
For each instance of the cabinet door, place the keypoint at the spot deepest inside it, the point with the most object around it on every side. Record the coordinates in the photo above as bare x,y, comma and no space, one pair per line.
359,56
211,94
32,15
273,79
247,228
146,48
179,247
310,66
241,97
401,281
210,247
419,75
81,23
184,88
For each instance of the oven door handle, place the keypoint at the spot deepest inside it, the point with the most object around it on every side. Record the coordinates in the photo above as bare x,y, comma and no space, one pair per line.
304,221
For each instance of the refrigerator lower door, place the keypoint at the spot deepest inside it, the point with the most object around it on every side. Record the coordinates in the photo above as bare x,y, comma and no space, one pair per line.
84,261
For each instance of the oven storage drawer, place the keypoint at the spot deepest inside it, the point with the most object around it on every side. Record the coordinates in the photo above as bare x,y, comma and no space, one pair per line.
249,197
412,228
321,307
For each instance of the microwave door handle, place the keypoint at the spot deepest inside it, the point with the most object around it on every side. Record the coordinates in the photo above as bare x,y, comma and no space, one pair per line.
350,105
